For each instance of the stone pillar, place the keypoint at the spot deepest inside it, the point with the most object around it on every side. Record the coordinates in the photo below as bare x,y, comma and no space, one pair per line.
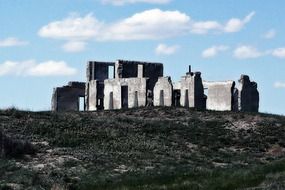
248,95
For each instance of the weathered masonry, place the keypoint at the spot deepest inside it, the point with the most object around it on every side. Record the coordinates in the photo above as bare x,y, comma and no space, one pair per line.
130,84
220,96
67,98
120,84
225,96
247,94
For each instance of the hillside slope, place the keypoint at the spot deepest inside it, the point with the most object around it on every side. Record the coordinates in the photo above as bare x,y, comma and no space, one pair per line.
148,148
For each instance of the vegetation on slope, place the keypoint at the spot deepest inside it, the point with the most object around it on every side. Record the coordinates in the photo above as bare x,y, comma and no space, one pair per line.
148,148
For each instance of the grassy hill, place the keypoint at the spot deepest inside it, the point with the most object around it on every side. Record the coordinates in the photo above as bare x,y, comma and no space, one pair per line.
148,148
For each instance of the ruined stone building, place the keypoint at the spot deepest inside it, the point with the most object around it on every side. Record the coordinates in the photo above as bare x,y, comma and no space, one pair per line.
130,84
66,98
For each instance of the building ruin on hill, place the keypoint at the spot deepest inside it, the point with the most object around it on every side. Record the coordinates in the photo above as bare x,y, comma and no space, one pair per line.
130,84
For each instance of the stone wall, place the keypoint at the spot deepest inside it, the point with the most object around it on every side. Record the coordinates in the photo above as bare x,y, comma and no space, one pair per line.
220,96
162,92
248,95
96,73
136,84
137,69
66,98
91,95
98,70
136,95
192,91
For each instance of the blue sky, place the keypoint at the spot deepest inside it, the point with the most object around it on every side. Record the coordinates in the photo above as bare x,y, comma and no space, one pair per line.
44,44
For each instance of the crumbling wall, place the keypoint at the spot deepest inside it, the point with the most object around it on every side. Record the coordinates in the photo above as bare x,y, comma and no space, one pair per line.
98,70
126,69
113,92
192,91
96,73
162,92
152,71
135,82
66,98
220,95
137,69
91,95
248,95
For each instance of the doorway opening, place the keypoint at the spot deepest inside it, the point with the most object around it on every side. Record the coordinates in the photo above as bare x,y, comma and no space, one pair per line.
176,98
100,104
111,103
124,96
161,98
136,103
186,103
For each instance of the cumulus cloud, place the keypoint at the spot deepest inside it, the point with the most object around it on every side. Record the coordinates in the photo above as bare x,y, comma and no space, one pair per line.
204,27
280,53
73,27
74,46
150,24
247,52
163,49
32,68
147,25
123,2
279,85
233,25
9,42
250,52
213,51
270,34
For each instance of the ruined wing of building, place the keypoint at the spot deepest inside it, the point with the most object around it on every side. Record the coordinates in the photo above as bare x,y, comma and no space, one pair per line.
130,84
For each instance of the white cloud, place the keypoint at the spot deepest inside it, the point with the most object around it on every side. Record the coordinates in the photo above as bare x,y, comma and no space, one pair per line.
235,25
205,26
213,51
147,25
280,53
32,68
270,34
73,27
163,49
247,52
123,2
150,24
279,85
74,46
9,42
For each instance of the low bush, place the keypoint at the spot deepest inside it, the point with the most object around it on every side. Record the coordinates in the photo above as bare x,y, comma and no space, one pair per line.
10,147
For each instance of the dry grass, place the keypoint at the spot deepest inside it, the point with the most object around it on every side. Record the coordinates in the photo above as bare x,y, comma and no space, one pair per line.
148,148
